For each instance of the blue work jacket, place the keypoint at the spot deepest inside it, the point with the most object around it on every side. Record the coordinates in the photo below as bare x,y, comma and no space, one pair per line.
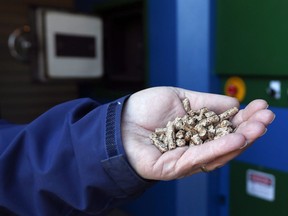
68,161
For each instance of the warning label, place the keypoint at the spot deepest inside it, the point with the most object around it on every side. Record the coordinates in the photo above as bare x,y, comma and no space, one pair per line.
260,185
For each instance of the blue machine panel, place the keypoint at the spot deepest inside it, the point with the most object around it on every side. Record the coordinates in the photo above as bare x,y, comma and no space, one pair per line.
271,150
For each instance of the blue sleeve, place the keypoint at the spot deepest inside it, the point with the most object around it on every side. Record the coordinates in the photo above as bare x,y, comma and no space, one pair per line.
69,161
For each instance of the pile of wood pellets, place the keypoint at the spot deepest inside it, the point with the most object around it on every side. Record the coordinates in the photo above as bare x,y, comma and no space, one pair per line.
194,128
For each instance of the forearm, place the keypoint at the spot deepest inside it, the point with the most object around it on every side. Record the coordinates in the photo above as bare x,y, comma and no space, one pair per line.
69,159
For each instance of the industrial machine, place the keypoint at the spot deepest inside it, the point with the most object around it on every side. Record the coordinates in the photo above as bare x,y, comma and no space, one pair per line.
237,48
251,61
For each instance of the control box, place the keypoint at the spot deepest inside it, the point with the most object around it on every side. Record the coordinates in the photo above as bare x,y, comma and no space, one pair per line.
251,43
70,45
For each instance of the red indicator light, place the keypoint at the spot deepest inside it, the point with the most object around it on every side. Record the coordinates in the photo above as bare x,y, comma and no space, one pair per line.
232,90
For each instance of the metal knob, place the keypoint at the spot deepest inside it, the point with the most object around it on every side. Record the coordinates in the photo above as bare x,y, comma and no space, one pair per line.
19,43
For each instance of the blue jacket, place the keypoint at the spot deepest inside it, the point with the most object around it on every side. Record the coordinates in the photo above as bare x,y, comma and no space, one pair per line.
69,161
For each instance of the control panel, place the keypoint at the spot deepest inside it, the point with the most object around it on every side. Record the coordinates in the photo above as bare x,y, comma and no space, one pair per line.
254,48
251,62
246,89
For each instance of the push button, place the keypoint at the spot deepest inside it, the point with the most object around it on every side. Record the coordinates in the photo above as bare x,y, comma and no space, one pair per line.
232,90
235,87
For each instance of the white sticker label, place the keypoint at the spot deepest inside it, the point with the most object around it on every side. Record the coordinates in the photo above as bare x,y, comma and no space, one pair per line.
260,184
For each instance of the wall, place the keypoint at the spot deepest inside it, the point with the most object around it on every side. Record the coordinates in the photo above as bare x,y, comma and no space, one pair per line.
22,99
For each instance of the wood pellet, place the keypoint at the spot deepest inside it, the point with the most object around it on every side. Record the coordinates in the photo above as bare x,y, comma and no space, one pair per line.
194,128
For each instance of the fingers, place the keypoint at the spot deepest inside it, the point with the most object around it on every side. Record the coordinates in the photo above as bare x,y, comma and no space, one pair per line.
251,109
251,130
208,154
217,153
221,161
266,117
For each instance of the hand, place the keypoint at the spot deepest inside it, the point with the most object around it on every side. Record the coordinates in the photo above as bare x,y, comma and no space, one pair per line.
154,107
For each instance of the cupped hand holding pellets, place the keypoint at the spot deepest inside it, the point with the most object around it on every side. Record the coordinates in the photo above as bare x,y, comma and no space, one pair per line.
154,107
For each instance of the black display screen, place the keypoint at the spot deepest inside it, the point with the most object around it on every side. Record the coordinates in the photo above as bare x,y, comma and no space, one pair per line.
75,46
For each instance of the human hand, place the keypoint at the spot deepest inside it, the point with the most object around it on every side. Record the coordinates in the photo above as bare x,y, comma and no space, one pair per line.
154,107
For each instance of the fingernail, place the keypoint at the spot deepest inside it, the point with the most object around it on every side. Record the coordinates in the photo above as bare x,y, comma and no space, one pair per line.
264,132
220,166
272,119
246,143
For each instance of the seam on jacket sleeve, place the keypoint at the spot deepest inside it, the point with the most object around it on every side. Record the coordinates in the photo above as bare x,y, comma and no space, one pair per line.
116,164
111,147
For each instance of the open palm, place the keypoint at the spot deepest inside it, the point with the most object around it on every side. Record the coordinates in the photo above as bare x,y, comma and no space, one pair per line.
154,107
